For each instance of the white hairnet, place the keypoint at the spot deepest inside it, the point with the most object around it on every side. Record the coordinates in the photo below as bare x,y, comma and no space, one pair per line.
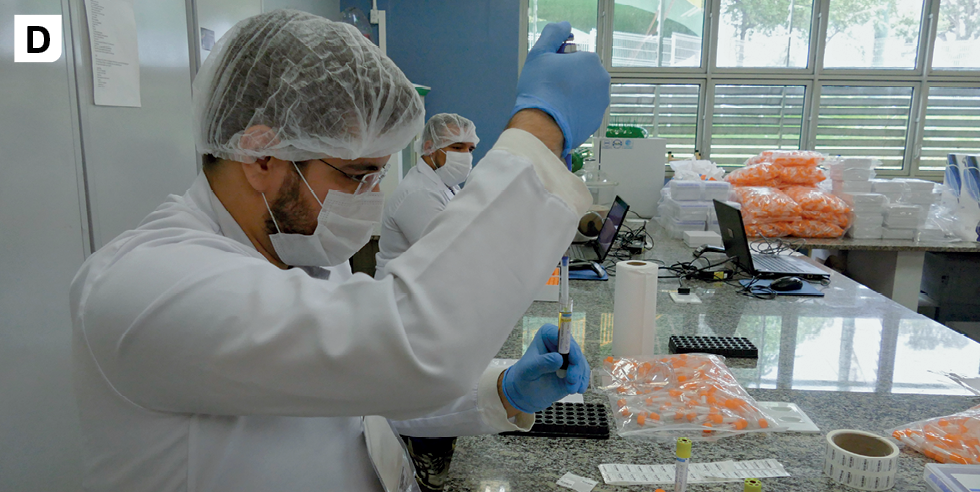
320,86
443,130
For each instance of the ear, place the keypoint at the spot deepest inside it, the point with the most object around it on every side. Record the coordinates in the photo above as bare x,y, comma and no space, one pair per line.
266,175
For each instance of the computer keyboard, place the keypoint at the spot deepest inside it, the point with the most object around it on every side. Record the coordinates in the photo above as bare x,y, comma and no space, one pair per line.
775,264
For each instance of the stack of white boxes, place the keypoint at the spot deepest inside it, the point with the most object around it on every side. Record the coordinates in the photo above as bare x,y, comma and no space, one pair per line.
688,205
923,194
852,178
901,221
867,217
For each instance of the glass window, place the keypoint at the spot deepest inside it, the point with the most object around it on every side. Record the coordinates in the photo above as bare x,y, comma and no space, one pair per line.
747,119
864,122
764,33
952,124
581,14
872,33
664,110
657,33
958,35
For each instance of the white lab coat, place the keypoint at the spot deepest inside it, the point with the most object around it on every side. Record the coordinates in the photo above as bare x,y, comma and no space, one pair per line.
409,210
200,366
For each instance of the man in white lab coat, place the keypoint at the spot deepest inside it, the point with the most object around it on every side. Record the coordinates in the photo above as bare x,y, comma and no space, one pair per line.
445,160
224,344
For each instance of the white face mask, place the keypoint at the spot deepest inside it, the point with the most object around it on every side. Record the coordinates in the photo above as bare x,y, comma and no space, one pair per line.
343,227
457,167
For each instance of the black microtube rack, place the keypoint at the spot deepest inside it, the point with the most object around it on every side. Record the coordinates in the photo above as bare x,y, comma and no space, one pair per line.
726,346
580,420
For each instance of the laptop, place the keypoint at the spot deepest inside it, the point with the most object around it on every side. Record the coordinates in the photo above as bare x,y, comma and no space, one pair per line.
597,249
759,265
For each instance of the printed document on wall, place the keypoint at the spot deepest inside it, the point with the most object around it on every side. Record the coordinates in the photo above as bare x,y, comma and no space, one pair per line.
115,53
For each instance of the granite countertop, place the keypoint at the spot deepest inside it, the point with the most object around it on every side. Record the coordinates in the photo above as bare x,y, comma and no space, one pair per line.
846,243
852,359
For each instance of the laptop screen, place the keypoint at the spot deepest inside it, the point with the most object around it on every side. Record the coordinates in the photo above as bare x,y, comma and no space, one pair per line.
733,235
610,227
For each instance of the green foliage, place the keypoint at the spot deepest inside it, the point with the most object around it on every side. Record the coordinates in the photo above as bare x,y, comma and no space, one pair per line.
765,16
625,131
581,14
959,19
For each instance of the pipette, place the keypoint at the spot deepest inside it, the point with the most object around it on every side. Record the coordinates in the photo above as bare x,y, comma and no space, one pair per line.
564,317
568,47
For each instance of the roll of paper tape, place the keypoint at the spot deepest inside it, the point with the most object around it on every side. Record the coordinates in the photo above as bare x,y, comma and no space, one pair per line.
861,460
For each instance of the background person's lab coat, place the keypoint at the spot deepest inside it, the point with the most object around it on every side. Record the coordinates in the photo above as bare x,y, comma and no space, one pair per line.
201,366
409,210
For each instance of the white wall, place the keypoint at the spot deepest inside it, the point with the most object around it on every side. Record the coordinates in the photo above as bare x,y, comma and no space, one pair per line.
72,176
324,8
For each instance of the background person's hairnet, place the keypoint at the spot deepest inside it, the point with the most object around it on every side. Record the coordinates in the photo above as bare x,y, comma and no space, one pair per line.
443,130
321,86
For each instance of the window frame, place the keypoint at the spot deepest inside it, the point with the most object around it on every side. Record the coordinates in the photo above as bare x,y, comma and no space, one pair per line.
920,78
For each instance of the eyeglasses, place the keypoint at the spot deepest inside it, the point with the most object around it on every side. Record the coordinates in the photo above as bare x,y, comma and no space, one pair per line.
365,182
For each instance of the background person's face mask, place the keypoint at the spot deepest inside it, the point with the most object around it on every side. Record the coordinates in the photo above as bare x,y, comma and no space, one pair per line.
343,227
457,167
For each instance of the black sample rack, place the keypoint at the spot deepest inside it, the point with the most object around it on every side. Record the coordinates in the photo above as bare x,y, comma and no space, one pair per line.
581,420
726,346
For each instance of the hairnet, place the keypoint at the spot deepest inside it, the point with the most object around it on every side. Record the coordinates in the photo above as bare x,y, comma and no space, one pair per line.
443,130
321,86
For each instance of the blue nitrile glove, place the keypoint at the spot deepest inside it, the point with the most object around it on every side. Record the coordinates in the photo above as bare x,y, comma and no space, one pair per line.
532,384
571,87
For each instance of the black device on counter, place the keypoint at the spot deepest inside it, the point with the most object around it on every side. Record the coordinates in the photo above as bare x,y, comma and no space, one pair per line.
597,249
783,284
759,265
582,420
725,346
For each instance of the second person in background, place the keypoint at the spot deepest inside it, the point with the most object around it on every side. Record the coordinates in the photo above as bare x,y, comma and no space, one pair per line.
445,160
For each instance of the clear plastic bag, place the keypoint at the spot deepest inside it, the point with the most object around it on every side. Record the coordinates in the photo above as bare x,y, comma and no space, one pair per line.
696,170
762,204
815,229
800,175
816,204
803,158
682,395
770,229
950,439
764,174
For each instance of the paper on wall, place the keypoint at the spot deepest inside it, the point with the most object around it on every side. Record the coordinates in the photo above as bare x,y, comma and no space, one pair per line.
115,53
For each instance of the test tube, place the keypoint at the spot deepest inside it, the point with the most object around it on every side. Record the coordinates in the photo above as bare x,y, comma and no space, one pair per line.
683,454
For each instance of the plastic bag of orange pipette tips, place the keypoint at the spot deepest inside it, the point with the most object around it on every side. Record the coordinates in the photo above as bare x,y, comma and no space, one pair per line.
950,439
680,395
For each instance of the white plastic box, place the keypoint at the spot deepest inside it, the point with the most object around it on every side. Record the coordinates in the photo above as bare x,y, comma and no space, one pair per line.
947,478
890,233
716,190
853,174
867,220
901,222
685,190
888,186
694,239
895,210
685,210
851,187
871,232
676,227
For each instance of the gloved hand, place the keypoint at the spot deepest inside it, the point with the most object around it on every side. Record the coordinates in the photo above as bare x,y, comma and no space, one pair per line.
571,87
531,384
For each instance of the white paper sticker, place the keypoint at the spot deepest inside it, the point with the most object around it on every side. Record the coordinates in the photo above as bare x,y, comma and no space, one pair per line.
720,471
115,53
577,483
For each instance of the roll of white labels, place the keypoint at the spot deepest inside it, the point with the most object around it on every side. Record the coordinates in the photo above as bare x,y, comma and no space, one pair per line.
860,460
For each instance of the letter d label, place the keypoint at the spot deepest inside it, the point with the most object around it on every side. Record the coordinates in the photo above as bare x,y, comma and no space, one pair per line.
37,38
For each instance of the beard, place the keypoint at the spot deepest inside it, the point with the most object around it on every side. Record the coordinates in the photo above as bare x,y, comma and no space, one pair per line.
292,214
